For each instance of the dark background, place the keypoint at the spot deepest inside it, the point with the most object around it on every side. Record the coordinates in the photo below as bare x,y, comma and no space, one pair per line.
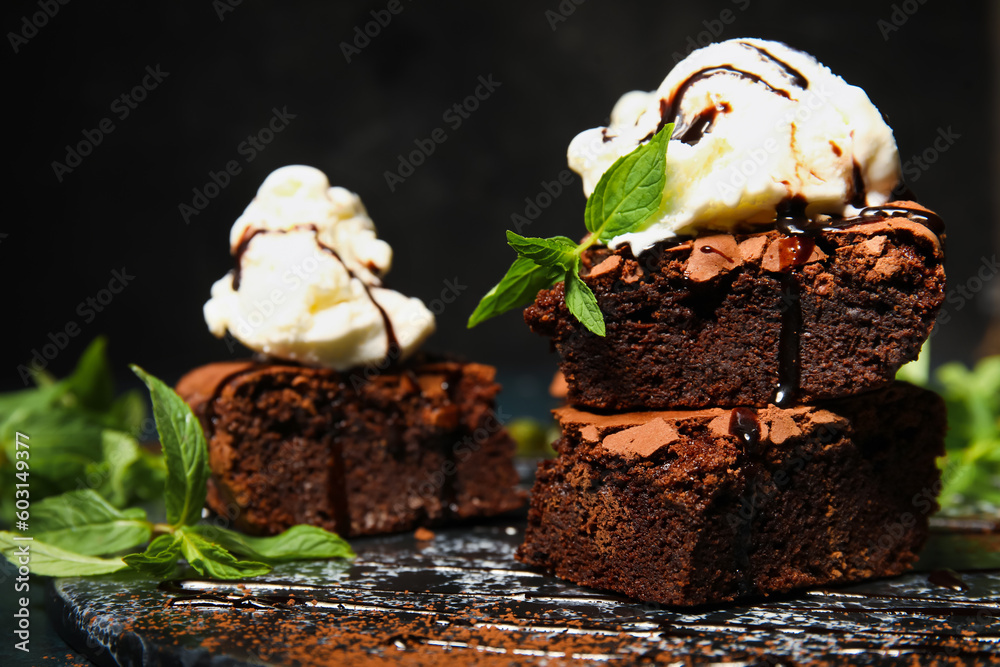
229,69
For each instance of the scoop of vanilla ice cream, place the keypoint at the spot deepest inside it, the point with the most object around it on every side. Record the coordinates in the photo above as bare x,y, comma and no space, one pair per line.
309,286
756,123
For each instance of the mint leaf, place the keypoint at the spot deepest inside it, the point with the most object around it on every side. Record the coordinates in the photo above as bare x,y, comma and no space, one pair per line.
580,301
126,470
300,542
63,443
518,288
159,559
212,560
971,469
51,561
91,383
630,191
556,251
85,523
184,449
127,413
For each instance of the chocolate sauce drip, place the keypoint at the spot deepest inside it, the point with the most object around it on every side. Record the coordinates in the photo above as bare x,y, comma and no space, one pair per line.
858,183
392,343
241,249
743,424
931,221
789,343
795,75
790,215
794,251
947,579
670,111
691,133
793,221
709,249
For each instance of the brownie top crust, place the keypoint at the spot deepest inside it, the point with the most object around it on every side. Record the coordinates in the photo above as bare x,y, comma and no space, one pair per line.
711,256
644,433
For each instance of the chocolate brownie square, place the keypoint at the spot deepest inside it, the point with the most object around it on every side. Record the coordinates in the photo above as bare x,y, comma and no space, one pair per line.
733,320
354,453
702,506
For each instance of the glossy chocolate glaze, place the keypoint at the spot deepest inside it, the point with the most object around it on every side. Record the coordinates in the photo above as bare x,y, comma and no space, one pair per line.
800,235
690,131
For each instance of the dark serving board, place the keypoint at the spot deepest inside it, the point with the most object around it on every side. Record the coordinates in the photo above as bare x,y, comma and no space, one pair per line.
462,598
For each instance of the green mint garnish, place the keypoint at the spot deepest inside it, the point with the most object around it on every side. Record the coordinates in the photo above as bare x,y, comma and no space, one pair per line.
970,473
160,557
86,523
51,561
185,451
628,194
72,531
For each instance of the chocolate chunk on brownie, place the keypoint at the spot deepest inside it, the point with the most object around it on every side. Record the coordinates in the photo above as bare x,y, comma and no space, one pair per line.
700,506
751,319
354,454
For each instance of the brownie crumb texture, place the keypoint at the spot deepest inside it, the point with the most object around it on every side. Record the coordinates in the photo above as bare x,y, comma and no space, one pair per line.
358,456
699,323
738,431
685,508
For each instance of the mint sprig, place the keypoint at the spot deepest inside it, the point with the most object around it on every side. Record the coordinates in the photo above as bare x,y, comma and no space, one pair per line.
89,434
628,194
184,449
81,533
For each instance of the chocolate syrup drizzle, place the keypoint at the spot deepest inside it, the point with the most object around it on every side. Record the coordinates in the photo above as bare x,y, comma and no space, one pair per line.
794,249
691,131
796,77
392,343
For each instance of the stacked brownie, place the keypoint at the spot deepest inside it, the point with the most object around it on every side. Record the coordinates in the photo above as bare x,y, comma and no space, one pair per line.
738,431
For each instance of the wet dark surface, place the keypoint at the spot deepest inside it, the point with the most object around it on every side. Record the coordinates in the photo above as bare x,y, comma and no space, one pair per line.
462,597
